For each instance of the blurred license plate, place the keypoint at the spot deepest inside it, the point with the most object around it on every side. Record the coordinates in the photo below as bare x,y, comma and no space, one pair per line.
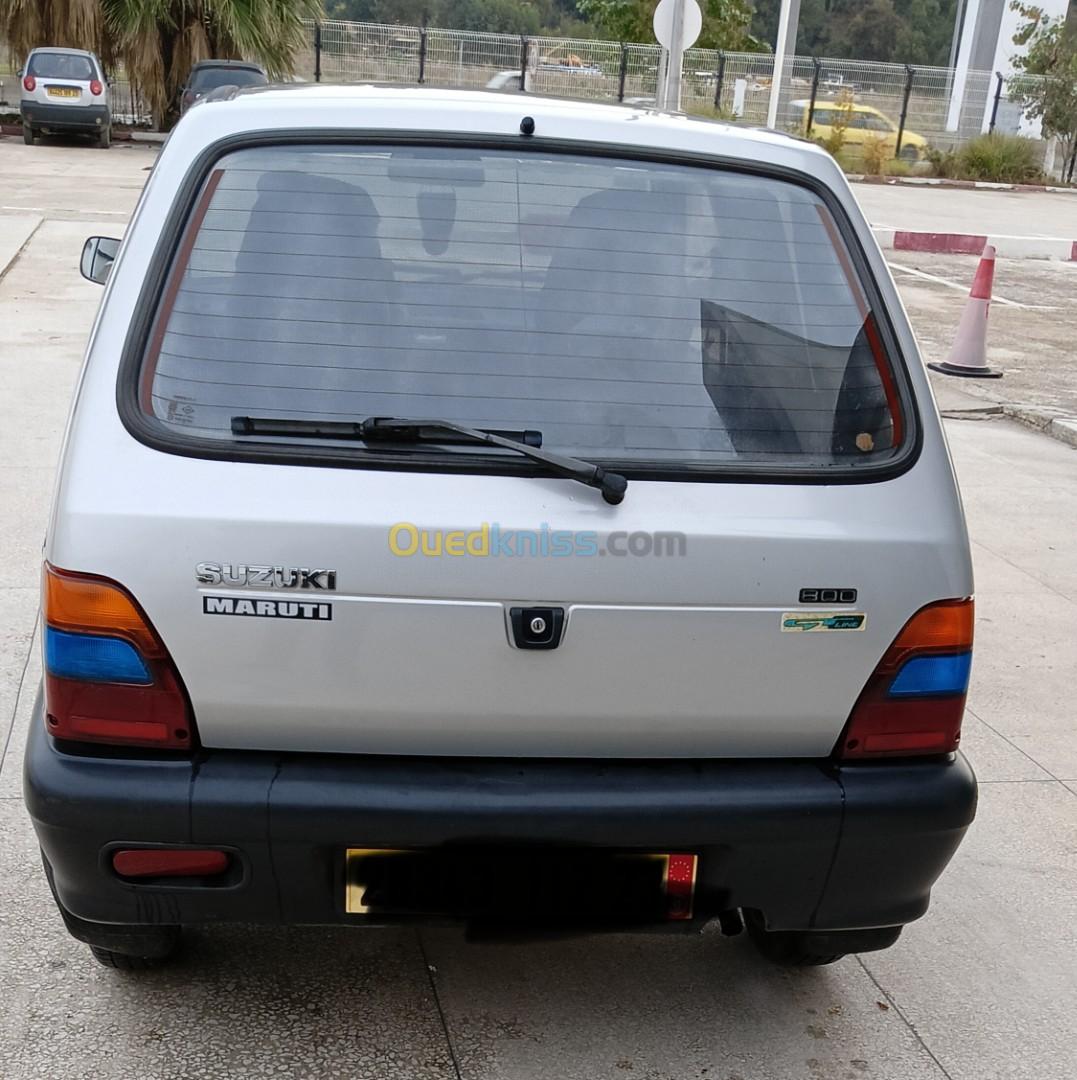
63,91
519,885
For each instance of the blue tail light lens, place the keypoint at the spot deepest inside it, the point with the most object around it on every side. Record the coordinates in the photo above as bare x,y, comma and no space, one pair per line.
929,676
93,659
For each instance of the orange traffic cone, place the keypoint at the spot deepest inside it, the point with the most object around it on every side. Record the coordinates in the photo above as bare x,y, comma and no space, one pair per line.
969,355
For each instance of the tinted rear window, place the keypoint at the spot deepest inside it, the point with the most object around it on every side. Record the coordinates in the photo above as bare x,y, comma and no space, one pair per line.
207,79
61,66
631,311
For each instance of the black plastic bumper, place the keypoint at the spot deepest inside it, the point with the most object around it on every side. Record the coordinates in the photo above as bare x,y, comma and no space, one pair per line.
808,844
64,117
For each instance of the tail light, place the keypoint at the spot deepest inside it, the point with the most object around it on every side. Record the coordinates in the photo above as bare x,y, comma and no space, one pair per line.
29,84
914,701
95,88
108,675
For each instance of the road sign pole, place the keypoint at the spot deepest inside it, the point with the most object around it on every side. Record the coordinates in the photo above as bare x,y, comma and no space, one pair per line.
784,47
676,26
672,96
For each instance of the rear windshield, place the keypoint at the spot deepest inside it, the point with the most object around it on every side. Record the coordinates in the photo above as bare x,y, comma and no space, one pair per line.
49,65
210,78
630,311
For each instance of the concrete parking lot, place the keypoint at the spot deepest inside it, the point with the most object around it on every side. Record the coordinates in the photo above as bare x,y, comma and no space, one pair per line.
982,988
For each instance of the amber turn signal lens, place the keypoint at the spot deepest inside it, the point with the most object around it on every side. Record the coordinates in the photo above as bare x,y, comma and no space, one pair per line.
83,604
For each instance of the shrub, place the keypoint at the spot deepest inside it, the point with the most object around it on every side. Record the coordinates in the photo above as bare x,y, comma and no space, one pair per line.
875,153
943,163
1004,159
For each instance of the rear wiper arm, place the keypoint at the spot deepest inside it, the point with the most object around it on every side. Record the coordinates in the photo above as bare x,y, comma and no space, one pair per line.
393,429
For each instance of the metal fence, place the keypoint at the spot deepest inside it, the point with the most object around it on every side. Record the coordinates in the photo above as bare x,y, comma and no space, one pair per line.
937,105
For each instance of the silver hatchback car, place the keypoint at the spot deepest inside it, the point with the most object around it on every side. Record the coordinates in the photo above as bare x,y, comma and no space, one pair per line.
65,90
521,511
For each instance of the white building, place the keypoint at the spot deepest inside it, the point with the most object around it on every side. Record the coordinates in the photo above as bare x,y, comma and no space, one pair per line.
986,45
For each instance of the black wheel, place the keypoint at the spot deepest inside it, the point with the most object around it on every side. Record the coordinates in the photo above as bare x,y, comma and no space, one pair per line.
28,135
104,137
162,952
815,948
126,947
909,153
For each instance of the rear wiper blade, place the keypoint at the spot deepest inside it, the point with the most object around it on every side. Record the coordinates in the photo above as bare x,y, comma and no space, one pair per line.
394,429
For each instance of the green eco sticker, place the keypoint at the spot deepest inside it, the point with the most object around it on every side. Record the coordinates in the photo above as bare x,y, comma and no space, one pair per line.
809,622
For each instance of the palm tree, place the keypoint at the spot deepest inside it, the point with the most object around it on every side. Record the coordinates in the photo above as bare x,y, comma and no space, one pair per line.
75,24
157,41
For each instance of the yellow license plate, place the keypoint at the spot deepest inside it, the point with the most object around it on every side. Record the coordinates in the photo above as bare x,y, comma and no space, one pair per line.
63,91
533,885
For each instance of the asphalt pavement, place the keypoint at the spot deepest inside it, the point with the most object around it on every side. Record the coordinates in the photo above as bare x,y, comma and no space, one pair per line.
982,988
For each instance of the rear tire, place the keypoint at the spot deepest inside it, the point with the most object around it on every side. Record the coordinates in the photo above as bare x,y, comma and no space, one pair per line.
124,946
28,135
165,948
104,138
815,948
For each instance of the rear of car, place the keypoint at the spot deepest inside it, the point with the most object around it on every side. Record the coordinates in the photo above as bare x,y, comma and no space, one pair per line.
210,75
306,663
65,90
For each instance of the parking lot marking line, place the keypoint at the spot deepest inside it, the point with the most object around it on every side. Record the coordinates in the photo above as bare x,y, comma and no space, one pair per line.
904,1019
22,247
18,693
961,288
1052,779
430,970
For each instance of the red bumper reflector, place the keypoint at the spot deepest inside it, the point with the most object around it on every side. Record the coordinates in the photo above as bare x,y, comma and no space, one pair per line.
169,862
680,885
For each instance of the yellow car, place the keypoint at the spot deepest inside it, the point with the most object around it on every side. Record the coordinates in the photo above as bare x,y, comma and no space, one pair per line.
864,123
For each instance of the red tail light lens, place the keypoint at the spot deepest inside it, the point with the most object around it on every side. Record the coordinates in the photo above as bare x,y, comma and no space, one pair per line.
108,675
29,84
914,702
169,862
95,88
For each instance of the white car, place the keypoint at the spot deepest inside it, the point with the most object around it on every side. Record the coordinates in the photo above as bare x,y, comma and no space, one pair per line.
65,90
527,512
505,80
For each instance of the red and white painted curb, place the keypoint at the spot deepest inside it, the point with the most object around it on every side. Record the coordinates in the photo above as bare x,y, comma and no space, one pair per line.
1007,247
938,181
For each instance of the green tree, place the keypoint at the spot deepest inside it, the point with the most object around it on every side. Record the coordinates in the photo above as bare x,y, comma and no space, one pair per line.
898,31
558,17
1048,89
725,22
157,41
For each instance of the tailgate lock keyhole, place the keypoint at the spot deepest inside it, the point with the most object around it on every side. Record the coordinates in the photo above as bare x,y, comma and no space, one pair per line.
537,627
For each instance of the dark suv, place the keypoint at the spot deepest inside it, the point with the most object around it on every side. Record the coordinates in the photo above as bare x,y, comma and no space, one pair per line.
209,74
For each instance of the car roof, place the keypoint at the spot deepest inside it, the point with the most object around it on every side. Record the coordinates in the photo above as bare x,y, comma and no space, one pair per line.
250,64
310,107
61,49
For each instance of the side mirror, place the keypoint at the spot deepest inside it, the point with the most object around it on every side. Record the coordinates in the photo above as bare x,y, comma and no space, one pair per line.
98,255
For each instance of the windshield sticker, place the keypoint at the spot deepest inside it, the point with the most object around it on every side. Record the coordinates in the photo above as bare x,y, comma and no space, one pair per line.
796,621
267,609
